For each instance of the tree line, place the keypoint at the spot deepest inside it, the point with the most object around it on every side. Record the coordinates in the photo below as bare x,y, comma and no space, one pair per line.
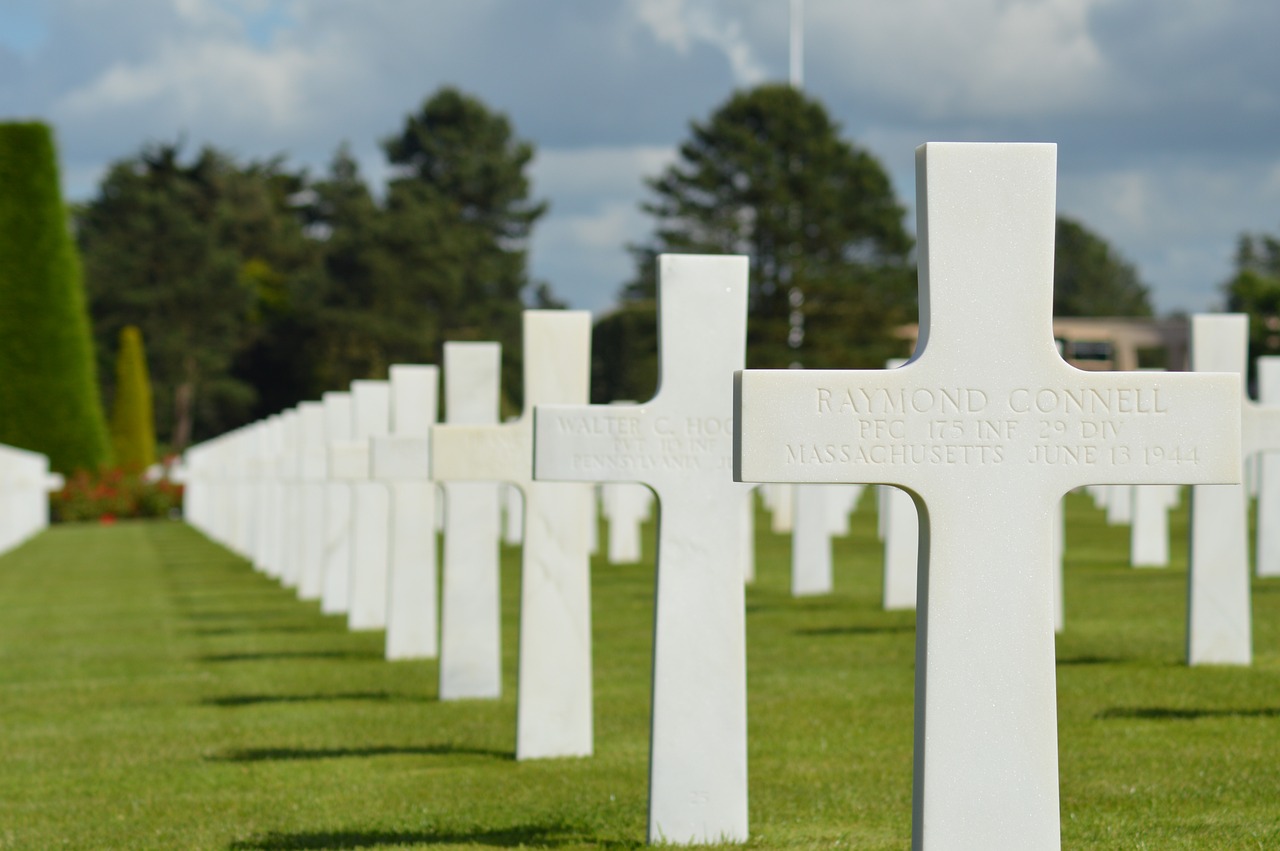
257,285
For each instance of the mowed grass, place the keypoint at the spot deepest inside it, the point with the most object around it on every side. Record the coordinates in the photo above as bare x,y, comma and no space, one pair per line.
155,692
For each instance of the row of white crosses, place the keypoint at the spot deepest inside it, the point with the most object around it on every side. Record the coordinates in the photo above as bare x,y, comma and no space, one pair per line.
973,431
25,485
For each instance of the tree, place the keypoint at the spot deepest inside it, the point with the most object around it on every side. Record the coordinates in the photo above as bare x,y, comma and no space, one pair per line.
347,307
1091,279
49,400
201,256
768,176
133,433
1255,289
458,221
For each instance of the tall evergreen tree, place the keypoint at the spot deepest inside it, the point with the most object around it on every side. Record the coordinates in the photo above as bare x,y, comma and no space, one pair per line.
458,221
768,176
202,256
1255,289
1090,278
48,395
133,433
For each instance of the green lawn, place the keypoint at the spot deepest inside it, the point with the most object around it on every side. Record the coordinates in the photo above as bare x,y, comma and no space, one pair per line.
157,693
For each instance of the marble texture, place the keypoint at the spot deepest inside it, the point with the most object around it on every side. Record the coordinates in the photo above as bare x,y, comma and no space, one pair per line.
554,701
989,438
679,444
470,606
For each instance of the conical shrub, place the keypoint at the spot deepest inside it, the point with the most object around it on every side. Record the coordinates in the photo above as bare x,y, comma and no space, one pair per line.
48,388
133,431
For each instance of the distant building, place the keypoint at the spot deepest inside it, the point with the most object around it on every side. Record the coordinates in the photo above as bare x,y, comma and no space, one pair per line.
1113,342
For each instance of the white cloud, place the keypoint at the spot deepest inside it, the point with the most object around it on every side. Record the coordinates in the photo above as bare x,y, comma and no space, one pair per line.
1177,222
580,248
985,58
681,24
589,174
1167,124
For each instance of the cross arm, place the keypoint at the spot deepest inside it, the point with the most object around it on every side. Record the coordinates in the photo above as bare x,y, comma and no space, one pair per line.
593,443
482,453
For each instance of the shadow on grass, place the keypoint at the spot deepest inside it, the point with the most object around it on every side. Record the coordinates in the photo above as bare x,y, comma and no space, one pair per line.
1168,713
857,630
520,836
241,614
288,654
258,699
1087,659
241,630
304,754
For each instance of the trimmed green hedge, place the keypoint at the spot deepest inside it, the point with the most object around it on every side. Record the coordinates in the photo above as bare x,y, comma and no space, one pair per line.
133,431
48,388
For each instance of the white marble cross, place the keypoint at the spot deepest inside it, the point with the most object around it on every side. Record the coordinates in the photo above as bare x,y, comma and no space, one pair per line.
811,540
1149,534
1219,626
553,705
1119,505
625,507
679,444
1268,557
336,584
288,468
840,506
370,507
470,610
401,460
988,427
312,467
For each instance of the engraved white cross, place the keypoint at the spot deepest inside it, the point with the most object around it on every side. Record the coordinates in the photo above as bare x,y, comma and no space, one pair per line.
988,427
1219,625
553,706
401,460
680,444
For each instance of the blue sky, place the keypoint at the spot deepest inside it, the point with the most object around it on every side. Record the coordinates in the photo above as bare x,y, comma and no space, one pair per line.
1167,115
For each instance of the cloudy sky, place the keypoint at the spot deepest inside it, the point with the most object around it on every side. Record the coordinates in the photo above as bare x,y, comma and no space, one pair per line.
1167,114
